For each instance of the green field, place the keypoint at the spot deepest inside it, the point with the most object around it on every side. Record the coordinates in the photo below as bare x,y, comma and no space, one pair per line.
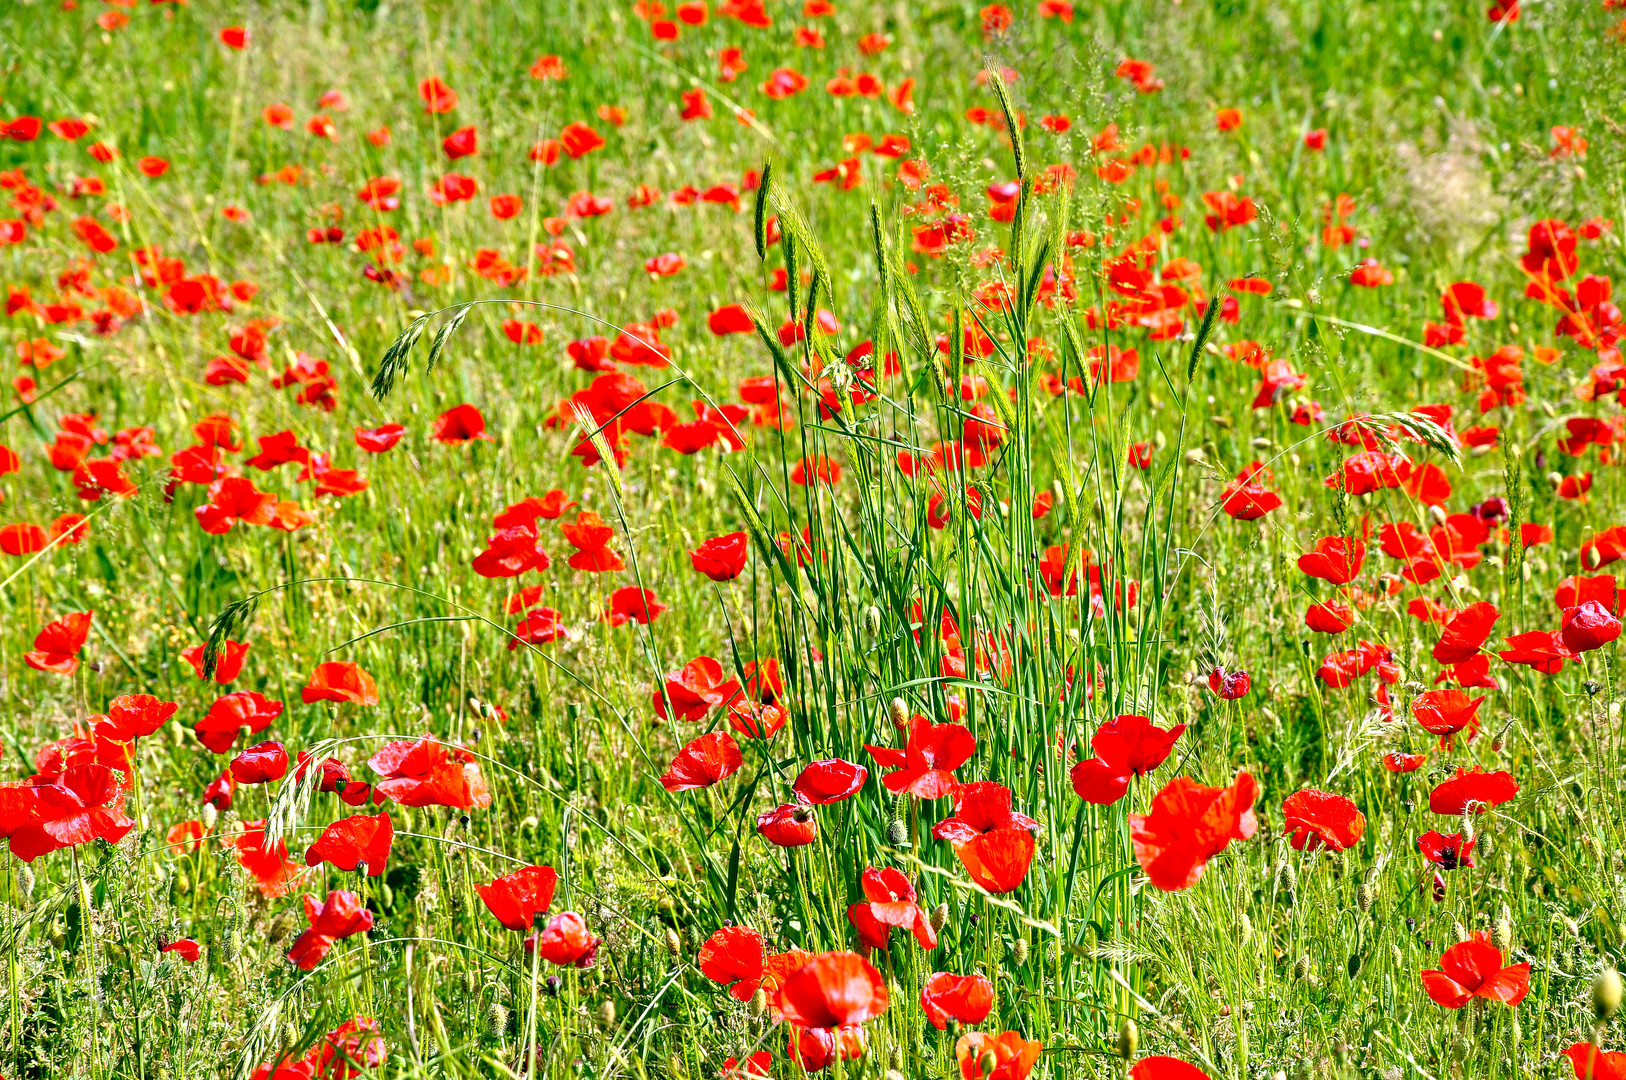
899,540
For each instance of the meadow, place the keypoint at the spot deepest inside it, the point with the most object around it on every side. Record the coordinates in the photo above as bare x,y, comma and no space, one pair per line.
759,537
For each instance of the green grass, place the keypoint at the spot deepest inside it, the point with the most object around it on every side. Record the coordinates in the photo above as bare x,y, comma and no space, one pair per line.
1276,961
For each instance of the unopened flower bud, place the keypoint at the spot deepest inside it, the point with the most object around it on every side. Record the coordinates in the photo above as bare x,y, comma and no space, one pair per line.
1365,896
674,1066
759,1004
1128,1040
872,621
25,880
1502,933
1354,965
1019,951
210,815
1244,927
1606,991
1287,881
674,944
940,916
987,1063
1499,743
897,833
606,1015
1301,967
497,1017
1459,933
899,712
1571,926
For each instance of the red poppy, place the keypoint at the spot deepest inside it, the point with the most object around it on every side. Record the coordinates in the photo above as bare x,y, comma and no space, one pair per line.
81,804
1329,618
925,767
355,840
517,899
1014,1056
789,825
264,763
1247,498
1448,851
1462,637
632,604
510,553
437,96
829,780
1321,819
566,942
22,539
379,439
578,139
733,956
1475,790
1165,1068
1336,560
186,948
426,772
1588,626
1445,712
1125,747
1538,649
341,915
590,536
694,691
708,760
246,710
228,660
730,319
1403,763
540,626
341,681
56,647
1473,969
889,901
833,990
1190,824
1592,1063
460,425
722,558
461,143
1229,686
967,999
757,719
130,716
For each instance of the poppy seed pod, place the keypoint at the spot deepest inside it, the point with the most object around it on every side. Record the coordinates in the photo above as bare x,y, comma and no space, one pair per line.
1606,990
899,713
1128,1040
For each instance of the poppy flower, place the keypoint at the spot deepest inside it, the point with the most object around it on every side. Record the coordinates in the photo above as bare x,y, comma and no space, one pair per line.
889,901
437,96
1591,1063
1190,824
22,539
341,915
1329,618
234,500
541,626
1475,790
379,439
733,956
186,948
722,558
1247,498
1473,969
232,714
789,825
353,841
590,536
57,645
1445,712
967,999
708,760
228,660
829,780
341,681
1335,560
426,772
264,763
1125,747
925,767
80,804
631,604
833,990
1014,1056
460,425
1448,851
1462,637
1403,763
1588,626
1165,1068
510,553
566,942
1229,686
461,143
517,899
1537,649
131,716
578,139
1320,819
348,1049
694,691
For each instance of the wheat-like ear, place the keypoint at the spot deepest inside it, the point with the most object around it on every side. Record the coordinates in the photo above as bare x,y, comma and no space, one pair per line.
231,621
1430,433
1004,95
595,435
1203,333
395,357
763,187
437,345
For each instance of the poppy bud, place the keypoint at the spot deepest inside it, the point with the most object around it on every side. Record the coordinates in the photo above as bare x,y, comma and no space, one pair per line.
1128,1040
759,1004
1606,991
1287,881
1437,513
894,1058
1365,896
1571,926
1459,933
25,880
987,1063
940,916
1244,927
899,712
209,815
1354,965
1500,742
674,944
1301,967
872,621
606,1015
897,833
674,1066
1221,422
497,1016
1019,951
